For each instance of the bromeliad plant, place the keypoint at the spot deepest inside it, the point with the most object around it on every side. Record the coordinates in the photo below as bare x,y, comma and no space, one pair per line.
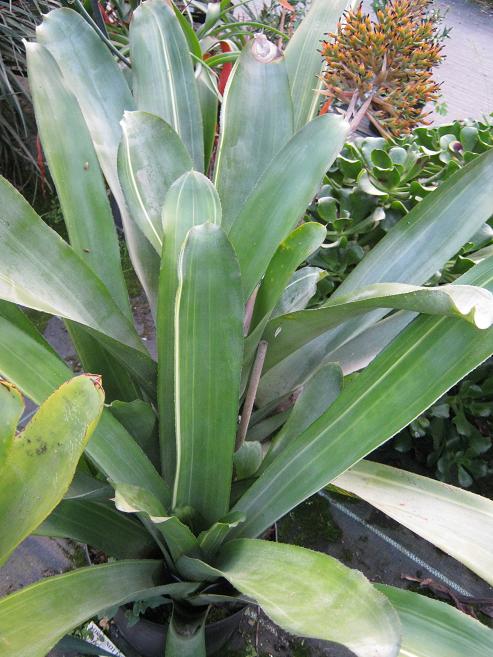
187,509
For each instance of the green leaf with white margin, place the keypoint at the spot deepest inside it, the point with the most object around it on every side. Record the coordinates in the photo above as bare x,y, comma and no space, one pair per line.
179,538
288,333
317,395
12,407
80,187
91,73
458,522
256,122
303,57
418,366
191,200
410,253
100,526
27,360
208,357
309,594
163,75
151,157
42,459
275,204
431,628
33,619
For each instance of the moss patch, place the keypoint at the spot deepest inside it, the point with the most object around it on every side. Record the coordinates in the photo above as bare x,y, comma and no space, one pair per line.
310,524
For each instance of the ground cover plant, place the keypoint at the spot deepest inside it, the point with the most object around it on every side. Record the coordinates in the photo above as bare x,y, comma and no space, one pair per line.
372,185
180,482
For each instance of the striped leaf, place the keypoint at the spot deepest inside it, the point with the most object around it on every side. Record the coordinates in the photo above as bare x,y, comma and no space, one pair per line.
29,362
303,57
208,356
422,363
276,204
191,200
163,76
150,158
33,619
102,92
12,407
458,522
308,593
256,122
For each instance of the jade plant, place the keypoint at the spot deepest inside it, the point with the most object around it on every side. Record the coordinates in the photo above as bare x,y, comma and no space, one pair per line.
245,412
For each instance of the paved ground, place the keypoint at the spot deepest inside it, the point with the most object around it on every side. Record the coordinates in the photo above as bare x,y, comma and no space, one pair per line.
467,72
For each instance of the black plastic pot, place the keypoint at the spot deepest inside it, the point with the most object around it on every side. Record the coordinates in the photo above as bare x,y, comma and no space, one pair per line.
149,639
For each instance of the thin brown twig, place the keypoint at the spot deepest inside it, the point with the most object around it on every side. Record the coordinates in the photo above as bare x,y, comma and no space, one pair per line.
251,393
250,304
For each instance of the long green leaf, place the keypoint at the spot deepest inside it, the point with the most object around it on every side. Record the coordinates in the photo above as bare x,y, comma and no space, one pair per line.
178,536
256,122
209,351
288,333
163,76
80,187
97,82
455,520
192,200
33,619
410,253
209,103
75,171
275,204
424,361
303,57
100,526
150,158
298,245
301,243
42,460
317,395
39,270
434,629
309,594
12,407
38,371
